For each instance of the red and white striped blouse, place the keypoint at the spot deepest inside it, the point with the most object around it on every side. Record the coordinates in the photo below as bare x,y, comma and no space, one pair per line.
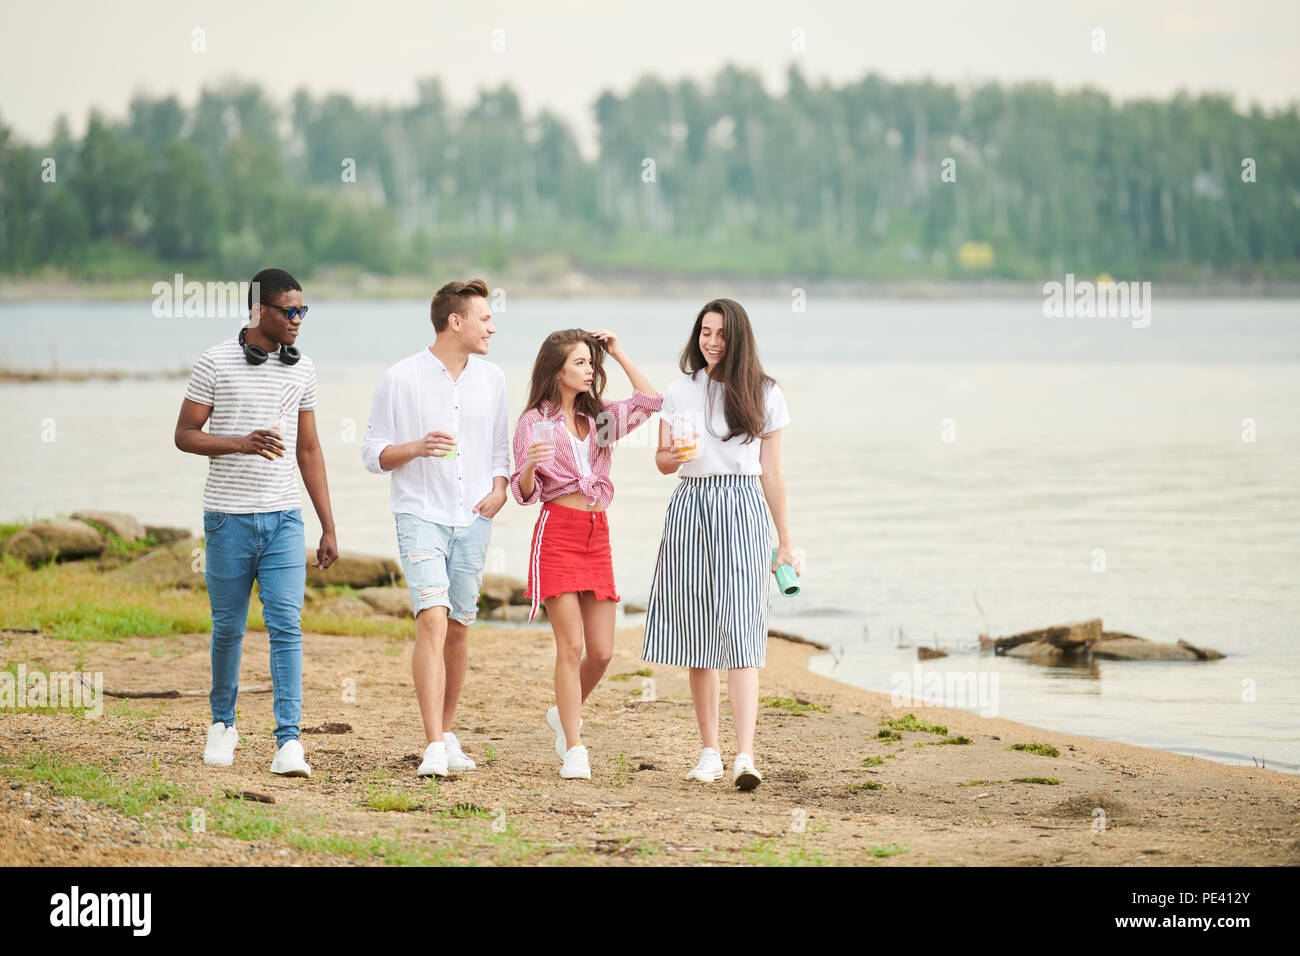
562,475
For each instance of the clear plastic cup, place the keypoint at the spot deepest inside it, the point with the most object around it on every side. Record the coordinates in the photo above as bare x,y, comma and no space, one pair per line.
451,455
544,431
683,436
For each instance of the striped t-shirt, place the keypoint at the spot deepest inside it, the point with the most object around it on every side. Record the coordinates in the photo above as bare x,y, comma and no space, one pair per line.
245,398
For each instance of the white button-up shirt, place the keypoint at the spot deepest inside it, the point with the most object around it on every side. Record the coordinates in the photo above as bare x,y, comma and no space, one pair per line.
417,396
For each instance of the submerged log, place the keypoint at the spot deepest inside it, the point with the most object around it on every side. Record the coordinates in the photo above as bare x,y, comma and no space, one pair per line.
1139,649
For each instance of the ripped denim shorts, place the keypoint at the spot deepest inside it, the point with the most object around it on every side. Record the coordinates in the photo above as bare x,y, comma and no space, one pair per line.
443,565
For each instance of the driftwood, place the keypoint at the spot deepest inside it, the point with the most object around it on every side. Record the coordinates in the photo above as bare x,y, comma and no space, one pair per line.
1202,653
1083,638
796,639
250,795
929,653
138,692
1068,638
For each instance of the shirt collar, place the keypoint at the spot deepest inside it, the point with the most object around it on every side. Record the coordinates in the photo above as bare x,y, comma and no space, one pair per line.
441,366
554,413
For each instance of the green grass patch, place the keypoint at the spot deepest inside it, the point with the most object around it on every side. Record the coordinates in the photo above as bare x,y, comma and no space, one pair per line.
910,723
119,545
792,705
1049,781
622,769
643,672
10,528
168,804
390,800
770,853
872,761
338,590
890,849
1043,750
888,735
78,602
66,778
865,785
946,740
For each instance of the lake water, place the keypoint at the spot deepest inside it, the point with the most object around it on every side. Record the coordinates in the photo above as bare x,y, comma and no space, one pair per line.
940,453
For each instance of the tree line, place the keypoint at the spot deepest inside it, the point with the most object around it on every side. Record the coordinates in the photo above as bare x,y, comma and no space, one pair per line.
868,179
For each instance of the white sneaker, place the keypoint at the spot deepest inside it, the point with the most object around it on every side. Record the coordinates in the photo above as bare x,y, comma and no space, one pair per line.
456,758
743,773
553,721
709,768
289,761
221,745
575,764
435,760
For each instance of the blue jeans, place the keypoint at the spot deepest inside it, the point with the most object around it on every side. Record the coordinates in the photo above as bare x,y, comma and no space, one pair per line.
267,547
443,565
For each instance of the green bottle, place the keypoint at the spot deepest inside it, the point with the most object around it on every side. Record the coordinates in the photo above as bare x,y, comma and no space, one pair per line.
787,581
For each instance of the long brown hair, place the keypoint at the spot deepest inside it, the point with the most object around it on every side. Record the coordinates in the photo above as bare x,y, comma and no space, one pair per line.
551,357
739,369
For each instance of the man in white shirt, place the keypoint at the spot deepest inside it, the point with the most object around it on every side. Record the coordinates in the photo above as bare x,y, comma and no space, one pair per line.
438,427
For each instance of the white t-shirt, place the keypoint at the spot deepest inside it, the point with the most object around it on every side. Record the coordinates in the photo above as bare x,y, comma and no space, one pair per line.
245,398
689,396
581,450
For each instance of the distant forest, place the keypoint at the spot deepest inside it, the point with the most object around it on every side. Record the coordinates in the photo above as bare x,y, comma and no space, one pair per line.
720,178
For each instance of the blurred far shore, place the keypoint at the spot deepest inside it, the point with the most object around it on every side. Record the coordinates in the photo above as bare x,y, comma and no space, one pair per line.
547,280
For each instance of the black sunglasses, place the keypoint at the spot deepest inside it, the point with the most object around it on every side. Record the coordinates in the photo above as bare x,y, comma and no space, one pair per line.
297,312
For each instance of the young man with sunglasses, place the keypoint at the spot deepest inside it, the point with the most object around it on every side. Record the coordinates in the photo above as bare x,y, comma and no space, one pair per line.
257,394
438,426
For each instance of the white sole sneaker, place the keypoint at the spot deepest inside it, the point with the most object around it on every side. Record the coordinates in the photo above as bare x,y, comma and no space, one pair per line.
433,764
457,759
707,775
576,766
289,761
220,749
746,777
707,771
553,721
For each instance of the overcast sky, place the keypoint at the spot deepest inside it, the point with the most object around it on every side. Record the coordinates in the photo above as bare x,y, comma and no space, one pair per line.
61,56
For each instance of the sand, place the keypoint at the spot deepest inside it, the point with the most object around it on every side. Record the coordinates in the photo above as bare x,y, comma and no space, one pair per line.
812,807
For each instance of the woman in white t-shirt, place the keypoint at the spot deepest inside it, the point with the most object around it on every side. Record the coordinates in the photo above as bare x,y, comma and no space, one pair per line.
708,599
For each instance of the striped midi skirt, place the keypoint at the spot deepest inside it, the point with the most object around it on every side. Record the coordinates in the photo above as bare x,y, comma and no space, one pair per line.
708,598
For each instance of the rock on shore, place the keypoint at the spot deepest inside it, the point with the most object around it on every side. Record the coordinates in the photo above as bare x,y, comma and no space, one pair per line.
1080,638
66,539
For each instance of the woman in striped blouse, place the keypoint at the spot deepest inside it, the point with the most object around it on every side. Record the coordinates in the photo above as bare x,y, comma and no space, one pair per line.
708,599
570,567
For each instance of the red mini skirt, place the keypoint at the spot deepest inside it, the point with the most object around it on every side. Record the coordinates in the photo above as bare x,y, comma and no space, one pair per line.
570,552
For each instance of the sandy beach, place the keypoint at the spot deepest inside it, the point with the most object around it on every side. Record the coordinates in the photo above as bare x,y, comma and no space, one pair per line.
128,787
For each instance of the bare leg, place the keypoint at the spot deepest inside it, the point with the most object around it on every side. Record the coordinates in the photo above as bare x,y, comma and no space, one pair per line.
742,689
565,614
429,670
704,692
455,656
598,629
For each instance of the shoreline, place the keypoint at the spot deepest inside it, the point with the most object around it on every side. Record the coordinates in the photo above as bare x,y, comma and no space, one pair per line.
630,284
923,707
954,713
833,792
